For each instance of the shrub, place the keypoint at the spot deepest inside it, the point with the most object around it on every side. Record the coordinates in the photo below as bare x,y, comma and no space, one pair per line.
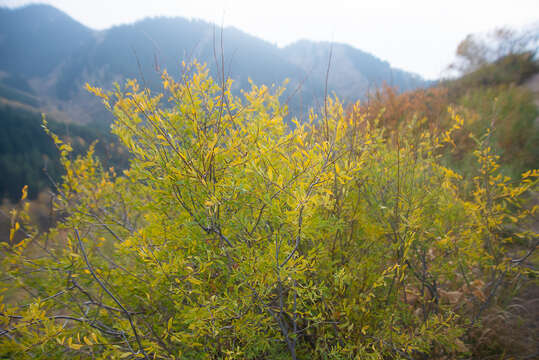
233,236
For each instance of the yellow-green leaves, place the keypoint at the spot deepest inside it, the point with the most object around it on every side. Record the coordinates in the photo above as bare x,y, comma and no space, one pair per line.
233,235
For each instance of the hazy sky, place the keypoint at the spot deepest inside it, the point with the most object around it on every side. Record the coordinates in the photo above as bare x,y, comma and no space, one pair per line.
415,35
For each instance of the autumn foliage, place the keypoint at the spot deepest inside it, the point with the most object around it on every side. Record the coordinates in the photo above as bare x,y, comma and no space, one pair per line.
234,236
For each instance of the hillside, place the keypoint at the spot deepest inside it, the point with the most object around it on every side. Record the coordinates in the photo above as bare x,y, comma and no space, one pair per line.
352,71
28,155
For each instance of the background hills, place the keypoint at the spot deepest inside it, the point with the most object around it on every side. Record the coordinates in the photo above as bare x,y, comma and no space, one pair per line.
48,56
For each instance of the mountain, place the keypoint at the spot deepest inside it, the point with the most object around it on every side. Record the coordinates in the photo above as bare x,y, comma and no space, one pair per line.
35,39
47,57
352,72
143,49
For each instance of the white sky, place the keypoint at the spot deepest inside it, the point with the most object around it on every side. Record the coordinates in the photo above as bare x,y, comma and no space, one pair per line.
415,35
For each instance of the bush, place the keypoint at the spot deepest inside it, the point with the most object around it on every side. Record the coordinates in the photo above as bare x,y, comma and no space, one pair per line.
233,236
511,112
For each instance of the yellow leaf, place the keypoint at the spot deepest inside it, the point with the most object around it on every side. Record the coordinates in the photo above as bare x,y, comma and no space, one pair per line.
24,192
194,281
87,341
364,329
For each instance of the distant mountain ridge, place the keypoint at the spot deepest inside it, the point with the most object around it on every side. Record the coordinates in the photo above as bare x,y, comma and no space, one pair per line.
26,36
49,55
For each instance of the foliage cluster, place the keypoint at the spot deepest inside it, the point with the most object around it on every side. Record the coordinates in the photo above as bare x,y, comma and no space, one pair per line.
234,236
510,69
489,98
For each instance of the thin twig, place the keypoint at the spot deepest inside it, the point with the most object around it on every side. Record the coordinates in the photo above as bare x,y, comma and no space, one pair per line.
127,313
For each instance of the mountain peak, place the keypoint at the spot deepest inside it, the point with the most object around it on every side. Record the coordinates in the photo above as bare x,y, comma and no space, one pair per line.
37,38
38,12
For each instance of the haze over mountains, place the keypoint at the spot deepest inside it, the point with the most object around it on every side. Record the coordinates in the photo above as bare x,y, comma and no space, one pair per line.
47,57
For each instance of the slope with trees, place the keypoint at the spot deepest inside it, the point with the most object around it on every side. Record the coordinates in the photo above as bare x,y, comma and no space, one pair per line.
28,155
